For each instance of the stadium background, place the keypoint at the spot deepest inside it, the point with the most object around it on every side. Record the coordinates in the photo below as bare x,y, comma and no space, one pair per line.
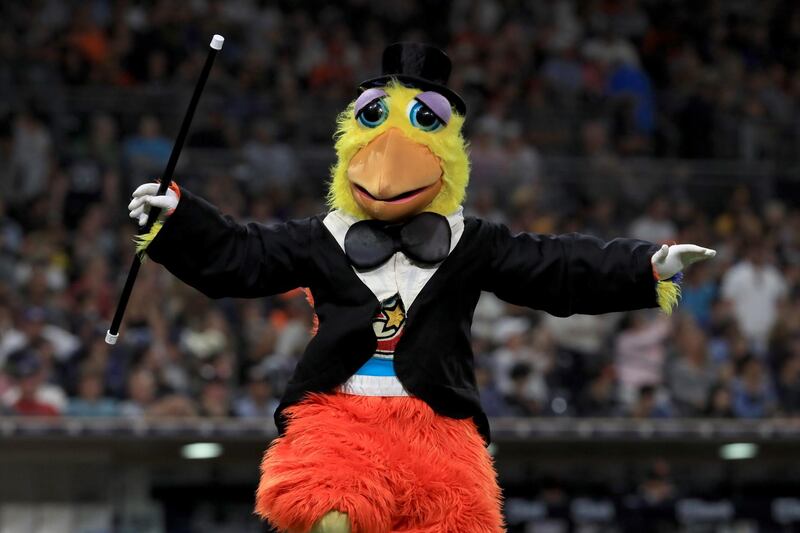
663,120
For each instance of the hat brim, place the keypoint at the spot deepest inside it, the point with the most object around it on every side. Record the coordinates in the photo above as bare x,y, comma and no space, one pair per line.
420,83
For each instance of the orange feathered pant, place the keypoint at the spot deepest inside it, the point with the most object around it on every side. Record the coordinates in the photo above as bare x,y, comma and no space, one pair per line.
390,463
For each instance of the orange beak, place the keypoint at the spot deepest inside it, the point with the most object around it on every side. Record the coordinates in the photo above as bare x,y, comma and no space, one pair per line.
393,177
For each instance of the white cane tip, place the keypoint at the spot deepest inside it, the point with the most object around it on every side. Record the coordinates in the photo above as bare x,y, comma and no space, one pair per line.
111,338
216,41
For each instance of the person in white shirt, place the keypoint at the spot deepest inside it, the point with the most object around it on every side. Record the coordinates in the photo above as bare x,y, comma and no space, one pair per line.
755,289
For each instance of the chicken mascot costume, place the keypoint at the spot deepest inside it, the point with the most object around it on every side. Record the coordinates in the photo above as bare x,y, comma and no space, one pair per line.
380,427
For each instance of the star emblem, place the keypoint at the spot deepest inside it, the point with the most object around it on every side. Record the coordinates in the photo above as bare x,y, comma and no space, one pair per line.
394,316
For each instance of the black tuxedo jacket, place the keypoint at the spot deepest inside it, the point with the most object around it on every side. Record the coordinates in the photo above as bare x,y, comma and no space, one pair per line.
561,275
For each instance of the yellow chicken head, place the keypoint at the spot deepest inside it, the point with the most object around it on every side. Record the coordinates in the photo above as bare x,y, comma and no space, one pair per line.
400,151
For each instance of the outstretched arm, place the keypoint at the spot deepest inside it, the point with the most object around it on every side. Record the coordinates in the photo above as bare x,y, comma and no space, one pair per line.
219,256
568,274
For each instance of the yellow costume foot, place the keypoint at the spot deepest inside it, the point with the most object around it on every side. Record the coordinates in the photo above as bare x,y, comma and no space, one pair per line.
332,522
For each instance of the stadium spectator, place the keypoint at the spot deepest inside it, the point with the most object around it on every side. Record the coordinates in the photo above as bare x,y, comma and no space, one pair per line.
272,164
101,145
35,329
511,334
258,400
753,395
90,400
523,165
690,374
11,239
143,399
563,71
655,225
719,403
755,288
206,334
698,294
141,394
147,152
600,396
94,288
650,403
30,394
610,48
173,406
580,344
527,395
639,353
31,158
789,385
215,399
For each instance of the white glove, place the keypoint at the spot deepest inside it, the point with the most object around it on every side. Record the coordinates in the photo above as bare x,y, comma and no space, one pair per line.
670,260
145,197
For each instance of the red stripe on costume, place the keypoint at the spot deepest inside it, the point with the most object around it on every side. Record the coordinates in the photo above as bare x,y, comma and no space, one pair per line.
390,463
388,346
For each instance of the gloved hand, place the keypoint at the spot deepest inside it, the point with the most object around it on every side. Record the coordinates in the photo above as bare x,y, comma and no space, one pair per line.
144,197
670,260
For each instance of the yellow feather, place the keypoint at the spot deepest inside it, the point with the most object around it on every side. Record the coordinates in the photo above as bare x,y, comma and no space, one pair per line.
447,144
143,241
667,295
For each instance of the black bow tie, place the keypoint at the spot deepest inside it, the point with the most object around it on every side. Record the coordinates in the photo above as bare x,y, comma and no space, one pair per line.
424,239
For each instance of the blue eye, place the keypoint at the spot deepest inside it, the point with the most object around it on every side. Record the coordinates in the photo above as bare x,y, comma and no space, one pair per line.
373,114
423,118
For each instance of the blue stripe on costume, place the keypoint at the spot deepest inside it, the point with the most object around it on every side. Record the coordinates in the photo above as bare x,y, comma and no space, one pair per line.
377,367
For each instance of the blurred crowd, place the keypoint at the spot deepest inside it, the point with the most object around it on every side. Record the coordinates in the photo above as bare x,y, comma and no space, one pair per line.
602,81
670,77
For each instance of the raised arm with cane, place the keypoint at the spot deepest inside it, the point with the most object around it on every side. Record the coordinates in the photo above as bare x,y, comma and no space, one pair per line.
159,193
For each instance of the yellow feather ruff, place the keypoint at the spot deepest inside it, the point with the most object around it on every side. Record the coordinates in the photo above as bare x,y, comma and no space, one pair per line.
143,241
667,295
447,144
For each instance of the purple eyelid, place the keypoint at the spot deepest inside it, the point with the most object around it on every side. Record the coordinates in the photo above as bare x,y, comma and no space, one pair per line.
436,103
366,97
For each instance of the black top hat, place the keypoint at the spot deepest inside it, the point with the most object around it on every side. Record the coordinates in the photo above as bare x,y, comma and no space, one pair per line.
418,65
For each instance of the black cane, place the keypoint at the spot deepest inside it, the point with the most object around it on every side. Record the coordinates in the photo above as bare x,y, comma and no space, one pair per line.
166,180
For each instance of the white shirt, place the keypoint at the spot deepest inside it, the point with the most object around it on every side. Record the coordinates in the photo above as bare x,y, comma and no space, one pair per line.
755,293
399,275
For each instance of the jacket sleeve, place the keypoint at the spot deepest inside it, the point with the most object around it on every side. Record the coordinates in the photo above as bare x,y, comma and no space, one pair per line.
222,258
573,273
